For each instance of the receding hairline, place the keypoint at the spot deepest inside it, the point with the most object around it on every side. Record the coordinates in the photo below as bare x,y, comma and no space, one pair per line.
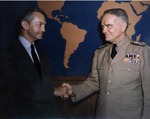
118,12
28,14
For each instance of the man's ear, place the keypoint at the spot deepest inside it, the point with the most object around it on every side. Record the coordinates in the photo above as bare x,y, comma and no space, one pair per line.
124,26
24,25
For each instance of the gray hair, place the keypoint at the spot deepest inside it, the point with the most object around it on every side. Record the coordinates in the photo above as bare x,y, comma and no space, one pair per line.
119,13
28,14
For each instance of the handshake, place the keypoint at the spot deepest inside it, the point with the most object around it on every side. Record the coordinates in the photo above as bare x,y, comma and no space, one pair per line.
64,91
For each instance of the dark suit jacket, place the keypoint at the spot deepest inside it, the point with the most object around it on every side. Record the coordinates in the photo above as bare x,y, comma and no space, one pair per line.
23,93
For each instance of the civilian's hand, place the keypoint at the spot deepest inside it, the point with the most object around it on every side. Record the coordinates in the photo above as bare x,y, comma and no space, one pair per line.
60,91
68,92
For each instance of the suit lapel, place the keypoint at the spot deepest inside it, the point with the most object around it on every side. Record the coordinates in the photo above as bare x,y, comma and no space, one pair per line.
22,57
21,53
43,61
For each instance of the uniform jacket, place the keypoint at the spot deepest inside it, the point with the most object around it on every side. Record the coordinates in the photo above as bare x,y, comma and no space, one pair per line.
123,83
24,93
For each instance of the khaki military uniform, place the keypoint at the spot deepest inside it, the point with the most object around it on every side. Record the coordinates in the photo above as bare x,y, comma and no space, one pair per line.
123,83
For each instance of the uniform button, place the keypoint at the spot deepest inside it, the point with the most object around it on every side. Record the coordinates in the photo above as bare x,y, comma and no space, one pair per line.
129,69
108,93
109,81
110,68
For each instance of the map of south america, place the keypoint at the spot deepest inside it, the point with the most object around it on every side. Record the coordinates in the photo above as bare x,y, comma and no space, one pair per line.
72,43
70,32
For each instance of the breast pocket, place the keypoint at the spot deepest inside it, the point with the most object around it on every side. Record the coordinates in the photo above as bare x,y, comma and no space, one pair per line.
129,73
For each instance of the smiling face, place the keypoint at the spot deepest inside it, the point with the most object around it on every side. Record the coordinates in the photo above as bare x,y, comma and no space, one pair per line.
34,29
113,28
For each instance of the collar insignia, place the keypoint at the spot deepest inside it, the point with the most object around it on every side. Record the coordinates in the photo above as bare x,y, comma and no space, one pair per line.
137,43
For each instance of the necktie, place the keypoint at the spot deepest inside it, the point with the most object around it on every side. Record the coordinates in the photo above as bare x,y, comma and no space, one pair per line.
36,60
114,52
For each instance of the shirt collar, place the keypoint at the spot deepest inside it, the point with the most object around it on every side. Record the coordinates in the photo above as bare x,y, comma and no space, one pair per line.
24,41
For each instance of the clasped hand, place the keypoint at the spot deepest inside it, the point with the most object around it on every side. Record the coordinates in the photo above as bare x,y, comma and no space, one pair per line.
64,91
68,91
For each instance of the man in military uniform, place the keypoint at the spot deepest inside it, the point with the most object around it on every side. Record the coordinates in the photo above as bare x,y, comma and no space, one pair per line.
123,80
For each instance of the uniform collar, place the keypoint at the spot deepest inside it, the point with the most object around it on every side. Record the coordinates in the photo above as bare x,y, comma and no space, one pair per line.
122,44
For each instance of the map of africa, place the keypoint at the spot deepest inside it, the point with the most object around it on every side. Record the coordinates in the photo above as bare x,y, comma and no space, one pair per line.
77,22
73,35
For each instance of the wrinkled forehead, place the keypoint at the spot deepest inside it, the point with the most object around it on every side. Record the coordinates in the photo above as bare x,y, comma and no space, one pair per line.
109,17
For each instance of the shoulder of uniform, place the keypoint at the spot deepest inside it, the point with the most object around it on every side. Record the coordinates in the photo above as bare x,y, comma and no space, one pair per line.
103,46
137,43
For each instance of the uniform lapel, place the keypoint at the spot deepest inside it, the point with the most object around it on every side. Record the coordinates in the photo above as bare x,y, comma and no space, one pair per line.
122,52
107,54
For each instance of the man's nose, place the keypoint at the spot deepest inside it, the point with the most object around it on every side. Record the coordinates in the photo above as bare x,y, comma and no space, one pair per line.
43,29
104,29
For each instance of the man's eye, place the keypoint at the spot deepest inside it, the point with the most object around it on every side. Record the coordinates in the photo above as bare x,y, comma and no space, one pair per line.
109,26
39,25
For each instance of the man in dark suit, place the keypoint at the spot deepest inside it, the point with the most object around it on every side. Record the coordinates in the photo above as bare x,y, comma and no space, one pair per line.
25,87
